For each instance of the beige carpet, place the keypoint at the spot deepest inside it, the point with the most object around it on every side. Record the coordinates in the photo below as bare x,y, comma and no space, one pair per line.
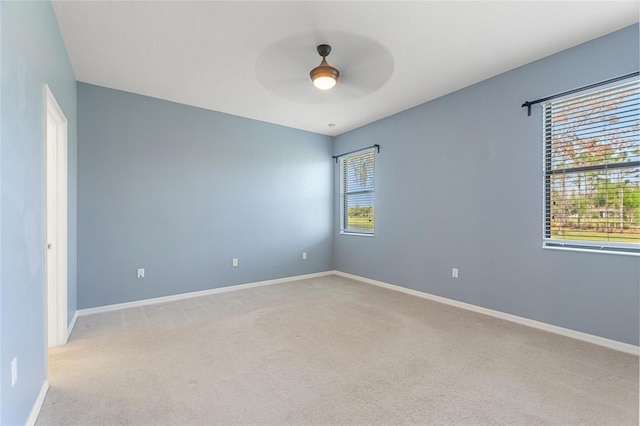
329,351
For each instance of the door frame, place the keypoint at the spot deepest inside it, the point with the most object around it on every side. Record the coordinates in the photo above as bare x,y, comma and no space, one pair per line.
53,112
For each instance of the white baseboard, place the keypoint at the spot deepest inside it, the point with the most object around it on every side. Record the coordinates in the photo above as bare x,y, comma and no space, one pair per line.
35,411
164,299
73,324
597,340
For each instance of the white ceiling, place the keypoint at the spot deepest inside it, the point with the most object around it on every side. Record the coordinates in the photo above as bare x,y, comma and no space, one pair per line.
253,59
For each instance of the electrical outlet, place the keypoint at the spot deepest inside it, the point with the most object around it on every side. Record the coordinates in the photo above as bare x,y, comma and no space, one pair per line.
14,371
141,273
304,255
234,262
454,272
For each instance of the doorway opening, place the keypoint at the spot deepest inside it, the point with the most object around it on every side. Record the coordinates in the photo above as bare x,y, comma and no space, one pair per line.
56,221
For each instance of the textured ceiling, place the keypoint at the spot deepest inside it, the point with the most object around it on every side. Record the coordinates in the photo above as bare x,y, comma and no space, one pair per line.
253,59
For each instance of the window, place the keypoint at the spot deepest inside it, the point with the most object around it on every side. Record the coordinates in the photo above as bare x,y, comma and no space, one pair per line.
357,189
592,170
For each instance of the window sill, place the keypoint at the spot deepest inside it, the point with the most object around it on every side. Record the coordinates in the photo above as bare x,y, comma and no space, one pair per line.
357,234
586,249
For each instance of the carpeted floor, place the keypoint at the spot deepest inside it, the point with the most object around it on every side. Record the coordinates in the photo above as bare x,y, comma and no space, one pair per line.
329,351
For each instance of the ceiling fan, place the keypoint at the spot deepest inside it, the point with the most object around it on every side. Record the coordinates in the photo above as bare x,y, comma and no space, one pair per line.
360,64
324,76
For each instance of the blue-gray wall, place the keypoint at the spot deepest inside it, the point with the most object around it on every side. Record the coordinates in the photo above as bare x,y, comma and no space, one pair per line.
459,184
32,53
180,191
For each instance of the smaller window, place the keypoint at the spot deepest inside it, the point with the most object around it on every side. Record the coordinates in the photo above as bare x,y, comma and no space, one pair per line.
357,189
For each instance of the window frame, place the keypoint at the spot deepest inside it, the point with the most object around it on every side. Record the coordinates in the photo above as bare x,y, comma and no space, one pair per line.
588,246
342,160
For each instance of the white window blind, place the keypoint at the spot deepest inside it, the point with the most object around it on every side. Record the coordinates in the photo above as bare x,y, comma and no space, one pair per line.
592,170
357,192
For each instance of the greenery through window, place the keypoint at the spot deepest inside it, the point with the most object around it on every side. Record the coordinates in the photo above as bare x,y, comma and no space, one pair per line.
357,187
592,170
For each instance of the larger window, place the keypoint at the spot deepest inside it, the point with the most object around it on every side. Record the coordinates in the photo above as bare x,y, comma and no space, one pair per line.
357,192
592,170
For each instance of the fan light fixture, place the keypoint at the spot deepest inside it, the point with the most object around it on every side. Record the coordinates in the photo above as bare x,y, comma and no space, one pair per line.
324,76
